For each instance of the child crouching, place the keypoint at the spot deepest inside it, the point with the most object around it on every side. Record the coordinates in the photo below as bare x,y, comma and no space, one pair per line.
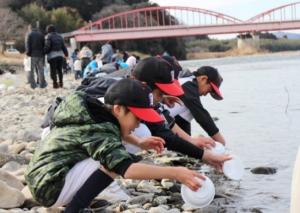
84,151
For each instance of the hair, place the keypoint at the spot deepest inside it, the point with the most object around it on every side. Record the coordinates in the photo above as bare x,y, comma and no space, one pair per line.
203,70
109,108
50,28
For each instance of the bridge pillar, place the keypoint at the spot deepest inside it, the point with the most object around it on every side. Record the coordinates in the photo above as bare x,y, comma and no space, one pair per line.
248,42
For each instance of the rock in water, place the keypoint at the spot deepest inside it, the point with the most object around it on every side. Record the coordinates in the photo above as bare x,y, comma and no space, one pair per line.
264,170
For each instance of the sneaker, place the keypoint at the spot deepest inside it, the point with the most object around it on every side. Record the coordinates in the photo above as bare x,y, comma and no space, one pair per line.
113,193
96,206
99,204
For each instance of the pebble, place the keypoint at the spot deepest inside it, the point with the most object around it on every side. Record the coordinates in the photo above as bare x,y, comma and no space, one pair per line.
10,197
142,199
3,147
10,180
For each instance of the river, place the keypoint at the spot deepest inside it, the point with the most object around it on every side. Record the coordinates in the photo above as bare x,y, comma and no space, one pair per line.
260,119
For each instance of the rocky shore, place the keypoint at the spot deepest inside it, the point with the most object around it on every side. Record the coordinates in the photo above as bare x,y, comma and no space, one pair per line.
22,110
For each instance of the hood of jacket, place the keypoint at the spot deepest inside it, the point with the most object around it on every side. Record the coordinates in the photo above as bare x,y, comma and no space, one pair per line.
81,109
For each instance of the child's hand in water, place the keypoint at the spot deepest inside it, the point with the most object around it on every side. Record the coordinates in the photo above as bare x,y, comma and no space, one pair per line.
215,160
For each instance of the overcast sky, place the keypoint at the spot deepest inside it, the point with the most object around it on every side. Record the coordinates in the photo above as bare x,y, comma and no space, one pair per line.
241,9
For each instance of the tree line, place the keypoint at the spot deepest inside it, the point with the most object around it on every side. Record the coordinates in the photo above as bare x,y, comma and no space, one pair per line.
69,15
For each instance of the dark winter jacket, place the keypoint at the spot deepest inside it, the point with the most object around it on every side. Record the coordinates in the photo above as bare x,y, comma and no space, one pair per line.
55,46
34,44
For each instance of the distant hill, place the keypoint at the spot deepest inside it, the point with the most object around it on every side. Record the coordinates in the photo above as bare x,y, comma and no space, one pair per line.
288,35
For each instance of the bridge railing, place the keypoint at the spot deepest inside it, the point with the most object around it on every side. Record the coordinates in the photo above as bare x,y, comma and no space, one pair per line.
288,12
161,16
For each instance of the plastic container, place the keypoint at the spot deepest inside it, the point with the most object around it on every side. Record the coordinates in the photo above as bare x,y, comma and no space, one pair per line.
200,198
234,168
219,148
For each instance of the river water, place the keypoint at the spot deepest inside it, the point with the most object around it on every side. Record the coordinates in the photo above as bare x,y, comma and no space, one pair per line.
260,120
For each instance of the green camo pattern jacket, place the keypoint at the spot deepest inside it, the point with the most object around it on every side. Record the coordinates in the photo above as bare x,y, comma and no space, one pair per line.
75,137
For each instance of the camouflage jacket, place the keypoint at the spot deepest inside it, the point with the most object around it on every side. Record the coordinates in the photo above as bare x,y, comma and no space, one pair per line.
78,134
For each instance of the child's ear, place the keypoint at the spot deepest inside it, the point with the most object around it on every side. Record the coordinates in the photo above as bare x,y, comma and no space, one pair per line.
117,109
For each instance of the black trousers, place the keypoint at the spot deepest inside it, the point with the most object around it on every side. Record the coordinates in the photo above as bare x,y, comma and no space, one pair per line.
95,184
56,69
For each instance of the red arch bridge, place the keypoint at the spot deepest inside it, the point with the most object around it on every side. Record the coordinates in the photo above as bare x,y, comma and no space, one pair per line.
158,22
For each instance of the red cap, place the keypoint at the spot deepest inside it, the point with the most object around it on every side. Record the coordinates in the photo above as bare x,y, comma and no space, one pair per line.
216,93
173,88
146,114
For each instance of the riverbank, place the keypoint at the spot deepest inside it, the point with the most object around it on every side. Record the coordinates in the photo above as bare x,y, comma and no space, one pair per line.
22,111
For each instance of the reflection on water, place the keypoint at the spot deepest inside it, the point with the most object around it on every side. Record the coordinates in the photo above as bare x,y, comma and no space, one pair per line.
260,119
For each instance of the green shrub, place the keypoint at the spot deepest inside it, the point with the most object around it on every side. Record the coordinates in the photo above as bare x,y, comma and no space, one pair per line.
65,19
279,45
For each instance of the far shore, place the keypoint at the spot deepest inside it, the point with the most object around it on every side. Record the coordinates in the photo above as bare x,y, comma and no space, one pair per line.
234,53
18,60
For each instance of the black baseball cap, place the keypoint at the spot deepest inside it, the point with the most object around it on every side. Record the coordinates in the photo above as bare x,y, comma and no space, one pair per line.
157,72
174,63
136,96
214,79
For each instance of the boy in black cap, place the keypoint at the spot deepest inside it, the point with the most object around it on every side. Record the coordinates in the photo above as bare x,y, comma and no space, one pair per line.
157,74
66,170
203,81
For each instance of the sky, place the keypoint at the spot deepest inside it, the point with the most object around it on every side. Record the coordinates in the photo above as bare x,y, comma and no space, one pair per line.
241,9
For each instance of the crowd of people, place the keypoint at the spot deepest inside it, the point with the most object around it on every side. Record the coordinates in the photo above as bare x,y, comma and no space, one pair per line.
92,135
86,64
82,63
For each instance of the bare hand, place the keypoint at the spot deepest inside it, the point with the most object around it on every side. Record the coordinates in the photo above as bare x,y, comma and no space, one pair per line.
152,142
203,142
189,178
171,100
215,160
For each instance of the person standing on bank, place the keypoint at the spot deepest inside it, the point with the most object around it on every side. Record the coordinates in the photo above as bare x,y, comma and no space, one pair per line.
34,45
106,53
55,49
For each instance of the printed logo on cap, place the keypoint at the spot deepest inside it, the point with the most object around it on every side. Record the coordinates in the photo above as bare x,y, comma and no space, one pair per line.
173,75
151,101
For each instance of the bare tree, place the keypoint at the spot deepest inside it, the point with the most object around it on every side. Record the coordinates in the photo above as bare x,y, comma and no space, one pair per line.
11,25
5,3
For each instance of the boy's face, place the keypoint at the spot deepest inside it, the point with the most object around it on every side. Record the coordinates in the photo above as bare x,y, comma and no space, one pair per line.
157,95
128,121
204,86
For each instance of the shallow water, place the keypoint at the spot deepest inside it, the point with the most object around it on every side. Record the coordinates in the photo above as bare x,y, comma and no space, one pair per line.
260,119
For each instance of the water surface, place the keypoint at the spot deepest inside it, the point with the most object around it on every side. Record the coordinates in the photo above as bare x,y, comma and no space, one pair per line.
260,119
